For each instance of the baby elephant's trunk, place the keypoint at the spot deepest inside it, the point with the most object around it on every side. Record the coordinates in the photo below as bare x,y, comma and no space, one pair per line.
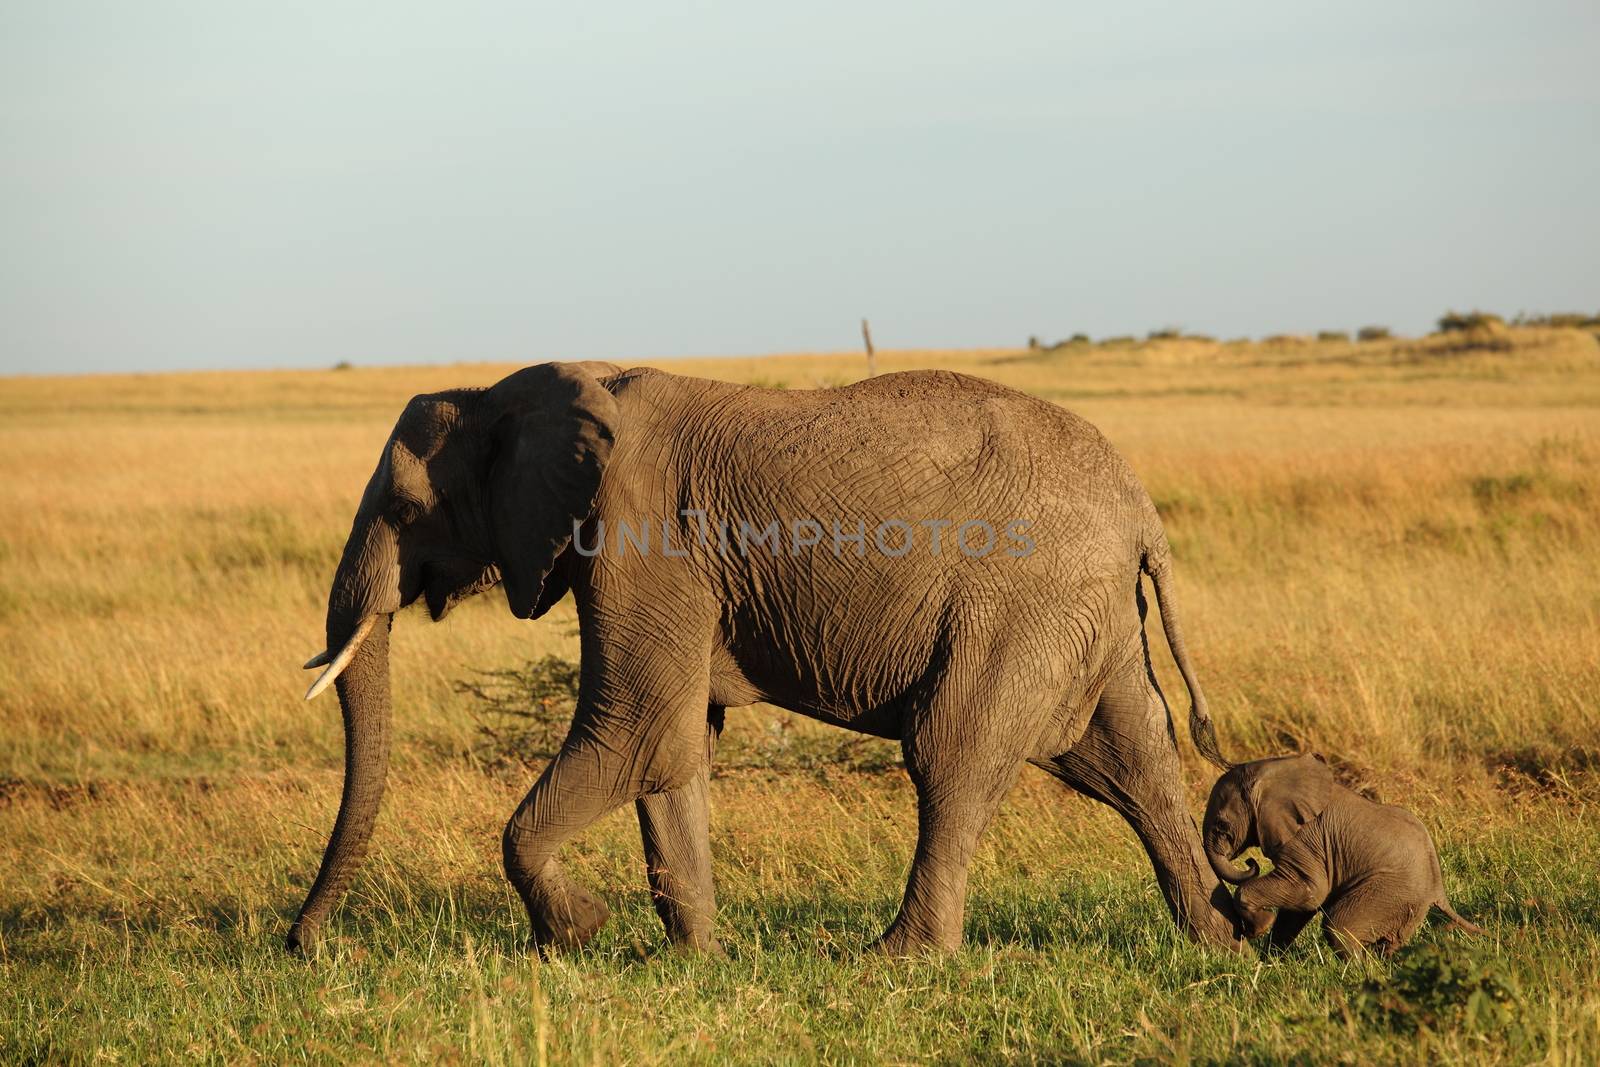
1222,856
1229,871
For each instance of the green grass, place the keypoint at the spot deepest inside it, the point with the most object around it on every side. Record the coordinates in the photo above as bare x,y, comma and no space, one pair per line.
168,946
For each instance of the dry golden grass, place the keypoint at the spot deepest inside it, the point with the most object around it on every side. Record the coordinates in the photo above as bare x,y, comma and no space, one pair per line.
1386,550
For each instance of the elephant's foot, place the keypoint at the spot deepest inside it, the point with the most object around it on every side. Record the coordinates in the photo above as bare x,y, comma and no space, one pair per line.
304,940
700,945
901,941
1206,915
1226,941
1217,922
568,919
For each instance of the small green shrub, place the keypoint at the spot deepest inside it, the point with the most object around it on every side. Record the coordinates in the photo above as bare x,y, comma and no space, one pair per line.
344,364
1166,333
1435,989
522,713
784,747
1333,335
1373,333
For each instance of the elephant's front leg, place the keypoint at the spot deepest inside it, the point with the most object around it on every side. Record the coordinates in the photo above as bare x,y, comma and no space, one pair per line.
675,825
647,738
1289,923
575,789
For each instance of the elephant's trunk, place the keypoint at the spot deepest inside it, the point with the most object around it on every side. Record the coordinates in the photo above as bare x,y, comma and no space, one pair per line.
363,690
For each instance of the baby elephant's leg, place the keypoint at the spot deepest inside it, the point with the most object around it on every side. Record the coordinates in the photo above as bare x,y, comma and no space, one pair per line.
1369,919
1281,890
1290,922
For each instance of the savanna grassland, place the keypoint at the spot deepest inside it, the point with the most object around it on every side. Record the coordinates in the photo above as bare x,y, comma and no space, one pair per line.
1386,552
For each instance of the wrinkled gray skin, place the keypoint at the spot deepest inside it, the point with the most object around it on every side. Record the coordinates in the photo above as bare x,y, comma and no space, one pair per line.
977,665
1370,868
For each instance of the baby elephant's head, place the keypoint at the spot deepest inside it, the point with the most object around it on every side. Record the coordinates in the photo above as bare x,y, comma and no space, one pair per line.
1262,804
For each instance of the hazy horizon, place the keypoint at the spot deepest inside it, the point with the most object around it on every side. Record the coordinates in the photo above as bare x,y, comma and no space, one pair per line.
241,186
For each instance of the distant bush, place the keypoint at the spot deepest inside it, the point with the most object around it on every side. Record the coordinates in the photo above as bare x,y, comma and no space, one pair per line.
1286,339
1166,333
344,364
1474,331
1567,320
1461,322
1333,335
1373,333
1121,341
1079,339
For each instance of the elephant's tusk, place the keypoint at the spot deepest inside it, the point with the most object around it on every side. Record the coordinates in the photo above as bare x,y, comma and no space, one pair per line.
321,659
342,660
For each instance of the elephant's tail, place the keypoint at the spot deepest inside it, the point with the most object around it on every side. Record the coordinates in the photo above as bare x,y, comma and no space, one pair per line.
1157,563
1456,920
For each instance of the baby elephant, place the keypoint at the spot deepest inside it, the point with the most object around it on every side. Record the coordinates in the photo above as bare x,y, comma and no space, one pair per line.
1370,868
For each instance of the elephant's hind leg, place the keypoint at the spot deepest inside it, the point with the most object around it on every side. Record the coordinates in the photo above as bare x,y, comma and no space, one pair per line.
1127,758
675,825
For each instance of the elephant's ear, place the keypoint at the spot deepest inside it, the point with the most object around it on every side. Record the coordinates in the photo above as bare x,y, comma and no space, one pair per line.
1287,794
551,431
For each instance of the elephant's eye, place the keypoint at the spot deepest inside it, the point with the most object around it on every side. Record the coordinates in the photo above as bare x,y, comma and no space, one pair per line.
404,512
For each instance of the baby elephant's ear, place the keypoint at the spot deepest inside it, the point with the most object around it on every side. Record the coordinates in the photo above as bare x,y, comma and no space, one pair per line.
1288,793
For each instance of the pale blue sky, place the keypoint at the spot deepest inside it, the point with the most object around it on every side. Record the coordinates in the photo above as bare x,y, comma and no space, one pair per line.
220,184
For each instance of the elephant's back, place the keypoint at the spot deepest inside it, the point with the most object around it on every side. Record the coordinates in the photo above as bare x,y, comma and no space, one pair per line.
1004,455
917,436
945,416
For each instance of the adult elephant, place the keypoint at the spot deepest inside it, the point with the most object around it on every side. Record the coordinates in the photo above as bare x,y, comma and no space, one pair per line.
922,556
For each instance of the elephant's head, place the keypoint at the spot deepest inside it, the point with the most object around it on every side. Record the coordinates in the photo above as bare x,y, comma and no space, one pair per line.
474,487
1262,804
